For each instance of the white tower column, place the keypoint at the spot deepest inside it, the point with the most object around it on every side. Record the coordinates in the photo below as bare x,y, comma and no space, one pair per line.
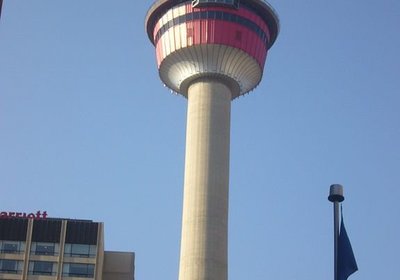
206,184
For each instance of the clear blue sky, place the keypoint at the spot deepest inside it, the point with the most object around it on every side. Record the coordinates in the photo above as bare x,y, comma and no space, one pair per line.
87,130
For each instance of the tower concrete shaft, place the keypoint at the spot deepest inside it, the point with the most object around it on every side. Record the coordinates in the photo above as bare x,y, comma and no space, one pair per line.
205,207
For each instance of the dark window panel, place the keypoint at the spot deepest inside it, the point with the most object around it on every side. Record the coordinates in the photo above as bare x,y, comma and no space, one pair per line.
46,231
81,232
13,229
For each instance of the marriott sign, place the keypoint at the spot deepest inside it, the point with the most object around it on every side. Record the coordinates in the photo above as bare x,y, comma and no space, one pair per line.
37,216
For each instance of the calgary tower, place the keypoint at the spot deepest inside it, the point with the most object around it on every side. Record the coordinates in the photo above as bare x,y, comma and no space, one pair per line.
211,52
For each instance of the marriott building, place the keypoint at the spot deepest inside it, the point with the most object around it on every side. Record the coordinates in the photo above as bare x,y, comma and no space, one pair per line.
55,249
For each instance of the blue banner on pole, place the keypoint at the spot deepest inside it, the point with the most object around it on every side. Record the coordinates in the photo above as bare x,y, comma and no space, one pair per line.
347,264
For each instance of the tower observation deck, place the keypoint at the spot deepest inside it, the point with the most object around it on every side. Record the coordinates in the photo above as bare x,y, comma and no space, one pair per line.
209,51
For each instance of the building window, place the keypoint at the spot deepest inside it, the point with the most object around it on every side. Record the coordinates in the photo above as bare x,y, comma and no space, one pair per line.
78,270
80,250
42,268
10,266
12,247
47,249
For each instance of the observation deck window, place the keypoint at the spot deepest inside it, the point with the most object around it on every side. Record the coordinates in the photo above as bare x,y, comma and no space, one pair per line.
203,3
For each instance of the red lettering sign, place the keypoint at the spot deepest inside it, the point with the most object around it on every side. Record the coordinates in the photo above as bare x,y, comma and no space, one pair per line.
38,216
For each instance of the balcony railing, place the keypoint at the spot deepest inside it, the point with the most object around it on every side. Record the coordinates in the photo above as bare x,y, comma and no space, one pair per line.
11,251
39,272
73,274
80,255
10,271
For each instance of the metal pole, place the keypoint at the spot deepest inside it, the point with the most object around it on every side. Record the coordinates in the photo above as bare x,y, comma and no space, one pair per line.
336,196
1,5
336,235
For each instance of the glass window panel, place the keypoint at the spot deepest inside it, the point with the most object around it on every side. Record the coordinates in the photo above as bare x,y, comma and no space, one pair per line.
80,250
42,268
90,270
67,249
9,248
12,246
48,249
44,250
10,266
93,250
78,270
